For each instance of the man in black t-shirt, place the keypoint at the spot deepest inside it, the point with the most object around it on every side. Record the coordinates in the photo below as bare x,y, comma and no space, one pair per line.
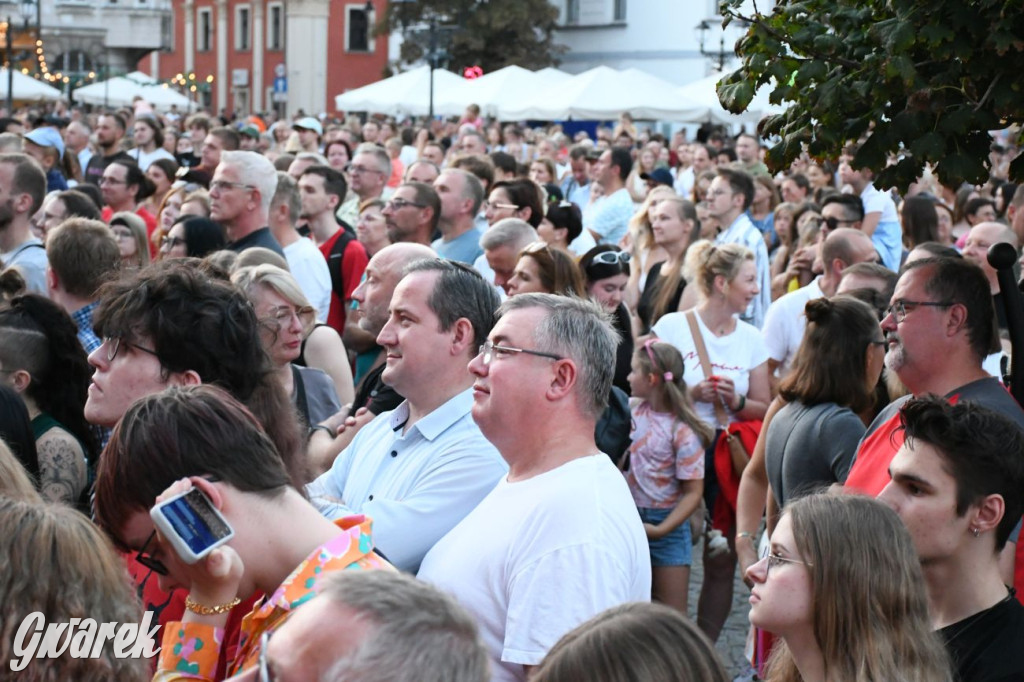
110,130
958,485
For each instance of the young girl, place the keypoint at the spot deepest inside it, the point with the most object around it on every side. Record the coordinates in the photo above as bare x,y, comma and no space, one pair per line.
666,465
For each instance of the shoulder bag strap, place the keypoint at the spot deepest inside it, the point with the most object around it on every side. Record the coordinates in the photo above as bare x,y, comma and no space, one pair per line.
705,364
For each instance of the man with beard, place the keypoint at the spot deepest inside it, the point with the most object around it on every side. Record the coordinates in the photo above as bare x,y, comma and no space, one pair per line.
22,188
412,214
110,130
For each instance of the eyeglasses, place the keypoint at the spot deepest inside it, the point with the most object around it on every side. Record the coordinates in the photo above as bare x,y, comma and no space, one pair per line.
113,344
900,308
221,185
149,562
500,206
612,257
169,243
281,316
359,170
489,350
122,234
399,204
776,560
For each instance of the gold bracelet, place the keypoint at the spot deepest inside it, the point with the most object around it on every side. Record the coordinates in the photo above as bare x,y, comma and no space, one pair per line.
203,610
745,534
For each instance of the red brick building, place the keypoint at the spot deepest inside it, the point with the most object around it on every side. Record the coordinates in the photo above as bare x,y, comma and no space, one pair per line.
315,49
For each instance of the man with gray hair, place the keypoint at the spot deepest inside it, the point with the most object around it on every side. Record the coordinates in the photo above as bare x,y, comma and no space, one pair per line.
461,194
368,175
240,194
502,244
559,538
420,468
378,626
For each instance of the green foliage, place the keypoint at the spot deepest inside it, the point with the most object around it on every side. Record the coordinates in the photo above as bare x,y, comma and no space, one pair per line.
486,33
921,79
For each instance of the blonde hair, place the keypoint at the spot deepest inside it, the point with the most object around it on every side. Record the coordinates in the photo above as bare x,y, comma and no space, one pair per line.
15,481
672,269
869,605
274,278
640,235
58,563
665,362
706,261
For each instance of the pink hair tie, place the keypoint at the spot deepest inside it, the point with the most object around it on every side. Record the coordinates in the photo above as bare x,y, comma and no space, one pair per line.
654,361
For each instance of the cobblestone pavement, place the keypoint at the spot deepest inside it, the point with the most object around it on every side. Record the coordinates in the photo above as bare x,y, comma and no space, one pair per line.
733,639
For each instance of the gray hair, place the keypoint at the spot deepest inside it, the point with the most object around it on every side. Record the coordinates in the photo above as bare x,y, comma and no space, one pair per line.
472,188
419,633
315,157
459,292
509,232
581,331
379,154
288,192
256,170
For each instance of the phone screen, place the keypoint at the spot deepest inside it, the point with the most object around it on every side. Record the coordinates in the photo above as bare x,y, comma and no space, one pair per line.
195,521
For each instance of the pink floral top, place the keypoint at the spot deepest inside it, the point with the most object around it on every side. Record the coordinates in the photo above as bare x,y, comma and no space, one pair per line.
190,650
664,452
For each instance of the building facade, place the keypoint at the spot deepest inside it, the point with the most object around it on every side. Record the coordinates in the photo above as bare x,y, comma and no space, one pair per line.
267,54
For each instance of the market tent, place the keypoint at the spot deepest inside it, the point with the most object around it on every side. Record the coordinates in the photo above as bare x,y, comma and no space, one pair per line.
121,90
499,91
604,93
407,93
704,93
28,88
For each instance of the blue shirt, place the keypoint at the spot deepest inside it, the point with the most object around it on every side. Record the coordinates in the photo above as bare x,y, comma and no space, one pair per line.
86,336
742,231
465,248
415,486
609,218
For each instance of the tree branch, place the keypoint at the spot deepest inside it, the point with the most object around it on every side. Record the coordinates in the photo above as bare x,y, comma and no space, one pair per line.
783,39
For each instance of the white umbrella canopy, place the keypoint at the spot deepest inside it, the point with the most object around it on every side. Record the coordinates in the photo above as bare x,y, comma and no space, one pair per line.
117,91
705,94
604,93
28,88
498,91
406,93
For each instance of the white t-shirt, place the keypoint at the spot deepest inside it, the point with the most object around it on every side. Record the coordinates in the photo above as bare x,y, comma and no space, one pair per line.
147,158
785,323
538,557
309,267
732,356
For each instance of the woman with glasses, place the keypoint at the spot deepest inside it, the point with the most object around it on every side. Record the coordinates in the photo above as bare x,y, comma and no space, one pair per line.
42,359
192,237
674,226
841,586
130,232
605,271
515,199
544,270
810,437
285,320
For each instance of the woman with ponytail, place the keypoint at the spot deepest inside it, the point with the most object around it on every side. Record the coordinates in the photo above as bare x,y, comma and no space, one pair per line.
42,359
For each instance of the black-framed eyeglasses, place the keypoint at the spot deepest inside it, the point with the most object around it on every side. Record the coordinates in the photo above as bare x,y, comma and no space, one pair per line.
489,350
612,257
774,559
113,344
149,562
835,223
900,308
399,204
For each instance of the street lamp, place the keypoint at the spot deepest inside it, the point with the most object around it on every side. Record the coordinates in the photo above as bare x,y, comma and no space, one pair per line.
430,40
722,54
24,11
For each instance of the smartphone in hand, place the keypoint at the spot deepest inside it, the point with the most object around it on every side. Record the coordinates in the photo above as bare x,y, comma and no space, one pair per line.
192,525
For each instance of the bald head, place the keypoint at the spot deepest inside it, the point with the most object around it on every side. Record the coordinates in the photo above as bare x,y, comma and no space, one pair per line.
844,247
382,276
980,239
397,256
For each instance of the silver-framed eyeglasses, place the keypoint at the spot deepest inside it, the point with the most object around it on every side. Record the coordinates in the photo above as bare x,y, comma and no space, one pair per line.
774,559
900,307
221,185
490,350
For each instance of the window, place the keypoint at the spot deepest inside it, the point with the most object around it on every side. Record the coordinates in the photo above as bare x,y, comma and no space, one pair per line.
572,12
205,27
275,26
620,11
357,33
243,28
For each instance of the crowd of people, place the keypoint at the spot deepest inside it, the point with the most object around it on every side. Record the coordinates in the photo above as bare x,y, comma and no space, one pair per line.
470,395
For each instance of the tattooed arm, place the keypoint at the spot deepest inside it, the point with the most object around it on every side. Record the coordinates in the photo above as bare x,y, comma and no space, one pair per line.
62,470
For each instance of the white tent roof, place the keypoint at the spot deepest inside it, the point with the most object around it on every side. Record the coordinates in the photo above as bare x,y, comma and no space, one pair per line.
406,93
121,90
704,93
28,88
499,91
604,93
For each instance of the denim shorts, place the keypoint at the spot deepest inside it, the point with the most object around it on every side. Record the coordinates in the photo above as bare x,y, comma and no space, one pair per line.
674,549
